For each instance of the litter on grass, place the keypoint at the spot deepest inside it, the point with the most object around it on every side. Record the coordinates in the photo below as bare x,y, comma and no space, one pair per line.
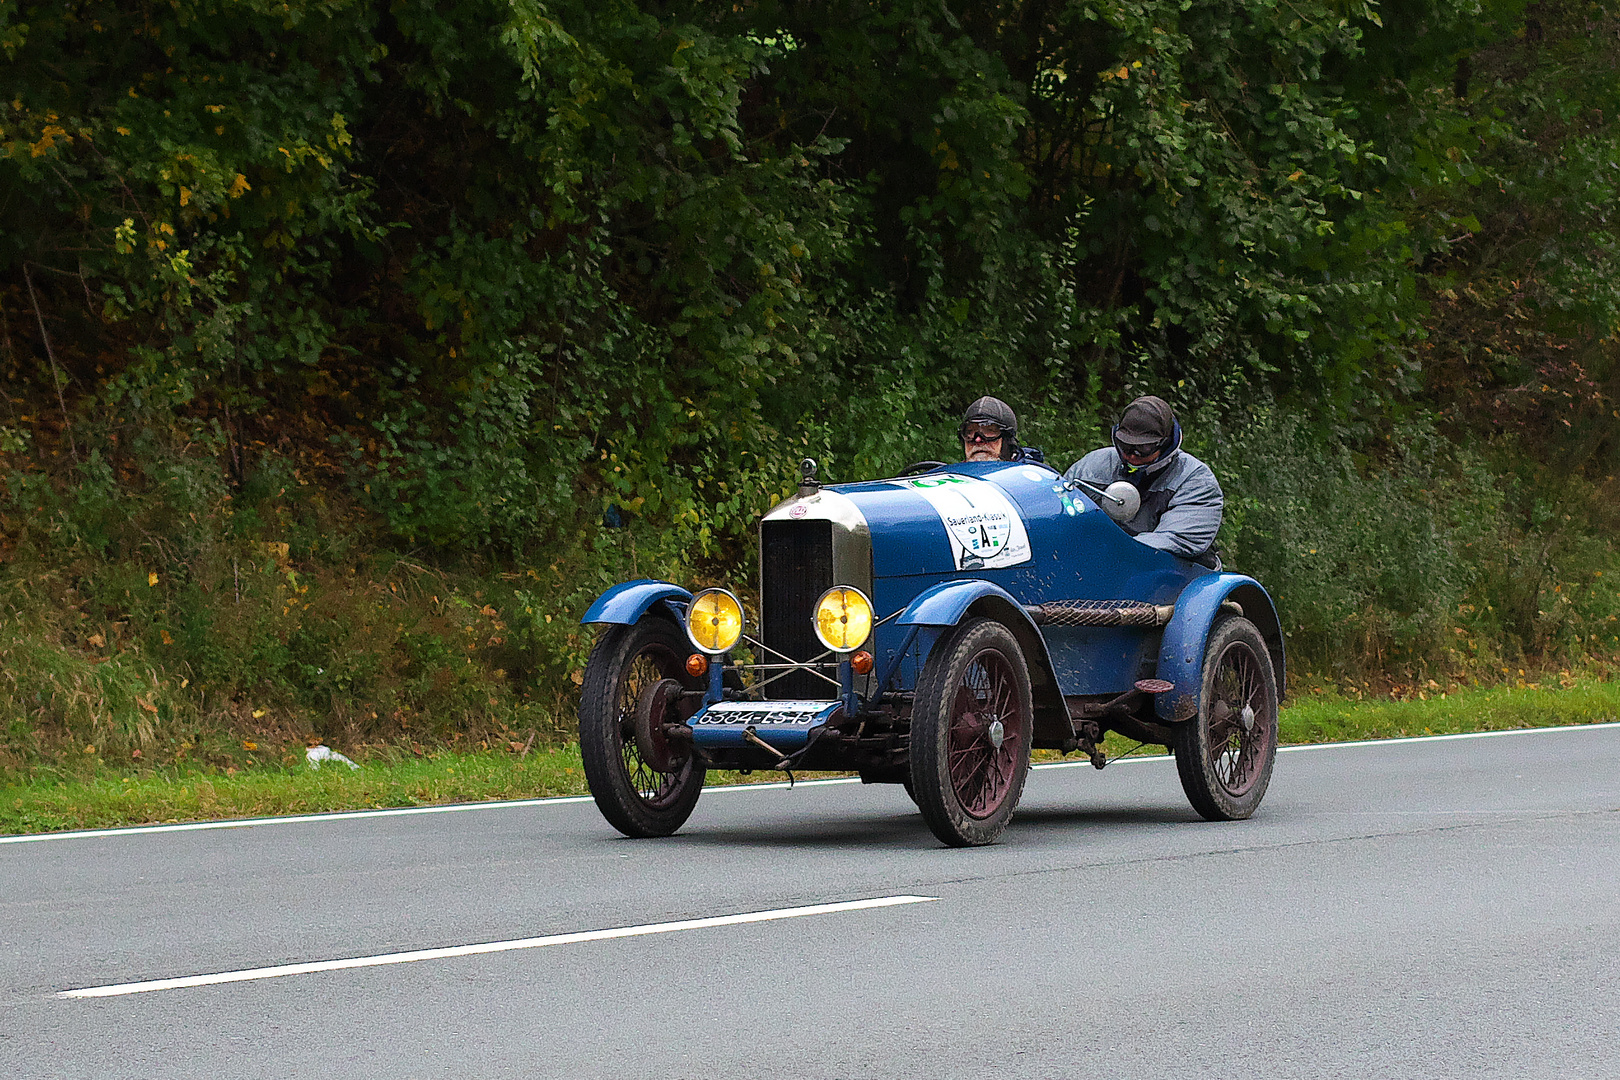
317,754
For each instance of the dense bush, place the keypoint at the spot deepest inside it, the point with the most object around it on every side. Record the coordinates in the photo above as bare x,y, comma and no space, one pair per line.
356,324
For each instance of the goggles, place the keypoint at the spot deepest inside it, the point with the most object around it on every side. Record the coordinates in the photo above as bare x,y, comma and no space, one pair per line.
980,432
1140,451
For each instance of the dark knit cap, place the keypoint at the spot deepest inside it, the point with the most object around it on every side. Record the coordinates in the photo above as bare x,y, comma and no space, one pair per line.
989,410
1147,422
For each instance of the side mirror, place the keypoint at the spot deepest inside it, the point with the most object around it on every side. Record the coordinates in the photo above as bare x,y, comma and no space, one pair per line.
1122,501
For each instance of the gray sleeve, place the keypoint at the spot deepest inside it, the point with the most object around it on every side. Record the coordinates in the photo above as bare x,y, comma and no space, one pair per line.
1096,467
1189,524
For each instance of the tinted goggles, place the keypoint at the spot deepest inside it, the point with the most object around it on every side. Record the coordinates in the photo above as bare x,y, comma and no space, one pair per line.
1136,446
977,431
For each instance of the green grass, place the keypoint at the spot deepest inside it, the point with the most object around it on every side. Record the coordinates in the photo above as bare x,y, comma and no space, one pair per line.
1328,716
192,792
195,793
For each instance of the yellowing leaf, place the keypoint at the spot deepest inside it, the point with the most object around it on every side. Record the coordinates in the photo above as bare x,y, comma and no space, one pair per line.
152,578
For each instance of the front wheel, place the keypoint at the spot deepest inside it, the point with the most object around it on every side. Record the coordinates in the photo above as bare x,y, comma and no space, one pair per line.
971,726
638,785
1225,753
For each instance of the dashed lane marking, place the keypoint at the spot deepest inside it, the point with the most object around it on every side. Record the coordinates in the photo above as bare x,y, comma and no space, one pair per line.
381,960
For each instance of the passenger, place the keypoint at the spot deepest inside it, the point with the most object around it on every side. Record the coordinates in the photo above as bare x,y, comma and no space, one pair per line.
989,432
1181,500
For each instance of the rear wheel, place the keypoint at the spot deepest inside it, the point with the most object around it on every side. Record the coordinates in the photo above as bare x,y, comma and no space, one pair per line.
1225,753
971,725
639,783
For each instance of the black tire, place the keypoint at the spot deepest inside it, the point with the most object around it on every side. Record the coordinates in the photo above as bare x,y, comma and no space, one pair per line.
1225,764
965,782
636,799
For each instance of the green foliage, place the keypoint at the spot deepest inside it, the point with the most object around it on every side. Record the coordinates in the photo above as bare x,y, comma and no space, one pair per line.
1367,561
524,263
353,321
1505,154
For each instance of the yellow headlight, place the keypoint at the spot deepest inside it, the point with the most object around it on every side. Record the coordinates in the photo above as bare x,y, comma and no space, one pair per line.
843,618
714,620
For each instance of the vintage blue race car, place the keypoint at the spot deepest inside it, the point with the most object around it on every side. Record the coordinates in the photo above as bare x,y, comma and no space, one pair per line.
931,630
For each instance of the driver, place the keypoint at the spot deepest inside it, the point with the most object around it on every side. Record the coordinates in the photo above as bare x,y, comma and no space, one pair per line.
989,432
1181,500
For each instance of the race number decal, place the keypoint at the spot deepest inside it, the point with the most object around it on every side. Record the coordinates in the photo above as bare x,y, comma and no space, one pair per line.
981,523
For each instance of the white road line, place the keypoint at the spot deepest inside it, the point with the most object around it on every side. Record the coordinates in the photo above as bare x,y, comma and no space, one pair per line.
508,804
1301,747
1449,738
400,811
251,974
298,819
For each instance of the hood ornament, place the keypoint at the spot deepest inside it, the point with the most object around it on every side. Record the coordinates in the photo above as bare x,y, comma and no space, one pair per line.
808,484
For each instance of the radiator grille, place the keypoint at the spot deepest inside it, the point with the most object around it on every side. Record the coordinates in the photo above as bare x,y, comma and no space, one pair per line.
796,565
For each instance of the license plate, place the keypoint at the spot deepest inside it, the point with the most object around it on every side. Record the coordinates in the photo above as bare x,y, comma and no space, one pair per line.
783,724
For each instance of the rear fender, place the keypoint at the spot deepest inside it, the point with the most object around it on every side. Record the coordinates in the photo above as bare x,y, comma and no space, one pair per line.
627,603
950,602
1181,652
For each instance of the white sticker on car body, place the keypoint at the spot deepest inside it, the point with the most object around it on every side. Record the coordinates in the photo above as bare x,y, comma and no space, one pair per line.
983,526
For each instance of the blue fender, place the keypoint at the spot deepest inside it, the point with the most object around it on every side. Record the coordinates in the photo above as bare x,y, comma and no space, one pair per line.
946,603
628,602
949,602
1181,651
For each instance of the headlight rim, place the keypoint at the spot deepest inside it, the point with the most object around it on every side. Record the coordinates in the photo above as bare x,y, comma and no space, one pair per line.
871,619
691,606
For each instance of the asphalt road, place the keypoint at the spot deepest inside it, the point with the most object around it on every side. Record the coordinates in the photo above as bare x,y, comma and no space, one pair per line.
1426,908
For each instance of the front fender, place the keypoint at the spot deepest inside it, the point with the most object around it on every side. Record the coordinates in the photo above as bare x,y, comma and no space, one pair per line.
628,602
946,603
1181,652
949,602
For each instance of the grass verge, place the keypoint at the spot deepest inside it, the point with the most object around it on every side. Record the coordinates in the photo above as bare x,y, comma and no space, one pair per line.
191,793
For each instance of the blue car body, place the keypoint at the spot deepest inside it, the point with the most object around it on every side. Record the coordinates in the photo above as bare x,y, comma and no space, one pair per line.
1010,542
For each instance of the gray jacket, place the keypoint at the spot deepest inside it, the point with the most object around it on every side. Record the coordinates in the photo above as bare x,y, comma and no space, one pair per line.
1181,504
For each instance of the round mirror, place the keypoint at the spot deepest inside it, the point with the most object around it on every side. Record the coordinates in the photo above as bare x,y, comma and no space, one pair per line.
1123,501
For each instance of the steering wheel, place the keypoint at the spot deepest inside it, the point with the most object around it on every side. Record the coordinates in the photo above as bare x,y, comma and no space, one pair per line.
921,467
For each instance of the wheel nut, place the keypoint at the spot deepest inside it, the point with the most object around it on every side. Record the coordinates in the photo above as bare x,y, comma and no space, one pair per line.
996,733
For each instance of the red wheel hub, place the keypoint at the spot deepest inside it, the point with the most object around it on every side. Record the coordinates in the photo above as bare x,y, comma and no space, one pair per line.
654,709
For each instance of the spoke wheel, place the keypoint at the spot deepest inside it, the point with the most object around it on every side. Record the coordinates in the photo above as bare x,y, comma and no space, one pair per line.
626,672
1225,754
970,733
